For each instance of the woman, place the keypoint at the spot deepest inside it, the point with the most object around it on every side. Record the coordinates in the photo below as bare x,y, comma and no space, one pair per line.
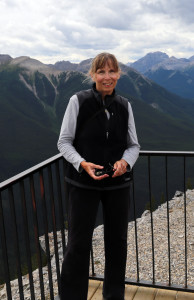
98,139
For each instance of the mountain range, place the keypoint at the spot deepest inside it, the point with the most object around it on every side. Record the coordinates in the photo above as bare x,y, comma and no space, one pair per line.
34,96
176,75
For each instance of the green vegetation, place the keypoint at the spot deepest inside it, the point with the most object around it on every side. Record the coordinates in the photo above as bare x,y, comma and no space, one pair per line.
151,205
44,88
189,184
24,266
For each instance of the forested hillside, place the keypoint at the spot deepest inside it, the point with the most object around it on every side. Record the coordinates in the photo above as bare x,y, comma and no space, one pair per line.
33,98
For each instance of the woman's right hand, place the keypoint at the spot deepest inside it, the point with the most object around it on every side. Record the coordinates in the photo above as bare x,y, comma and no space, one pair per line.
90,169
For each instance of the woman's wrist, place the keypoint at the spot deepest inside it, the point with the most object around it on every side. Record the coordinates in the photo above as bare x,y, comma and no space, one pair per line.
83,164
124,163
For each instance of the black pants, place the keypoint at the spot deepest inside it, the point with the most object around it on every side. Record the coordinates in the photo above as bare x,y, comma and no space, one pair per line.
83,207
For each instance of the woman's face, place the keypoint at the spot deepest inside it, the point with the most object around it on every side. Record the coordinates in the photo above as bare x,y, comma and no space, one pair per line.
106,79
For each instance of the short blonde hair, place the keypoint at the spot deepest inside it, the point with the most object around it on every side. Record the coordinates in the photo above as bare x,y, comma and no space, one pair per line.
101,59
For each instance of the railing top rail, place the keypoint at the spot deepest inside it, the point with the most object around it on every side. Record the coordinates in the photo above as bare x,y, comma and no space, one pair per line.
49,161
22,175
166,153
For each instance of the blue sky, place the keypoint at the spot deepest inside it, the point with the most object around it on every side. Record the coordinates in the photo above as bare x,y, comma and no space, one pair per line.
74,30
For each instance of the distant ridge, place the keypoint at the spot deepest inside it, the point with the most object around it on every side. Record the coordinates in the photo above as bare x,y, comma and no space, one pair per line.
175,75
155,60
147,62
68,66
4,58
32,65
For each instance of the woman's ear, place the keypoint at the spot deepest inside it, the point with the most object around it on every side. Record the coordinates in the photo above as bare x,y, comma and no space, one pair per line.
92,75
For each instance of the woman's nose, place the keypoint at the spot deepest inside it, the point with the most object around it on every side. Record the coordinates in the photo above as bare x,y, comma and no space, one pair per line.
107,75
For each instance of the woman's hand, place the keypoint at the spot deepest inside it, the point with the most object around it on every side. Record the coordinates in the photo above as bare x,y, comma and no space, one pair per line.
90,169
121,168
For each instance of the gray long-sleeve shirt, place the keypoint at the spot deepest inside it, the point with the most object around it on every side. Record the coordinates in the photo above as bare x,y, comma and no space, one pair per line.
67,135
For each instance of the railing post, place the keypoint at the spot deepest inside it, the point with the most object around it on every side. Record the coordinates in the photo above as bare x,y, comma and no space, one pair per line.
27,240
136,241
51,193
4,251
168,222
60,202
44,210
185,221
151,215
36,233
92,261
16,244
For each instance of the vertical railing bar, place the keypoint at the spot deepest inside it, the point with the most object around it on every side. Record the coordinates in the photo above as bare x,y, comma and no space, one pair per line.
185,221
54,225
45,219
16,243
168,222
4,250
27,240
60,205
151,215
66,190
136,239
36,232
92,261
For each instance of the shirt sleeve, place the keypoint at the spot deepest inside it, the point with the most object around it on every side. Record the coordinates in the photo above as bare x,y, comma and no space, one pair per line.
131,154
67,134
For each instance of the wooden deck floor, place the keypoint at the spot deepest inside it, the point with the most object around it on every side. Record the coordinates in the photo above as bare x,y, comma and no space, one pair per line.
139,293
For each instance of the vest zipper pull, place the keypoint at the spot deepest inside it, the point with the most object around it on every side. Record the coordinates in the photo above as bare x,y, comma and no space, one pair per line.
107,133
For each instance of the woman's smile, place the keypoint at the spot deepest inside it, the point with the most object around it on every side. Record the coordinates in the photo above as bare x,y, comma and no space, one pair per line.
107,84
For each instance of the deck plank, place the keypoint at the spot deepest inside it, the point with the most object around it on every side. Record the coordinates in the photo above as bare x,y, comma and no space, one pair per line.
98,293
93,286
145,293
165,295
130,291
185,296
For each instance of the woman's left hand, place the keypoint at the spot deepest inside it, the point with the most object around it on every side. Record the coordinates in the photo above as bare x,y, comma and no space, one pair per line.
121,168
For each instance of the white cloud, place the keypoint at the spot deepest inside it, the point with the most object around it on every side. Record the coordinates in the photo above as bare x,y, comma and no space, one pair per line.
52,30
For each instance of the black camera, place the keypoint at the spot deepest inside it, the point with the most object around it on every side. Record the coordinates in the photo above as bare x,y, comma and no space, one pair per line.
109,170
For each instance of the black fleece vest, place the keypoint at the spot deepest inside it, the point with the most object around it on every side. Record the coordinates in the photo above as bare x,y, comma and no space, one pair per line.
99,139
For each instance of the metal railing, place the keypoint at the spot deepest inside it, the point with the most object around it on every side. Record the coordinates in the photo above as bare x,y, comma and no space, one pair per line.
163,172
33,225
32,205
